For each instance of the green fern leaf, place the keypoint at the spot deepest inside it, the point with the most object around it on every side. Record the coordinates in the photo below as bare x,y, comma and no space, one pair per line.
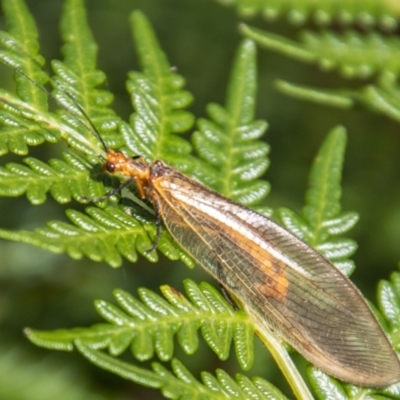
228,144
321,220
383,97
158,98
22,36
327,387
182,384
101,235
77,78
63,179
149,326
19,49
355,55
78,74
22,118
324,385
389,307
334,98
385,12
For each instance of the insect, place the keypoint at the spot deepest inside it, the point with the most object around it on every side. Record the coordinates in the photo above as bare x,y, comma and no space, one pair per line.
275,275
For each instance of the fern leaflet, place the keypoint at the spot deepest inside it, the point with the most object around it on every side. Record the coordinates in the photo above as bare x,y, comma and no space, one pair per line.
383,97
384,13
149,326
355,55
182,384
228,143
321,221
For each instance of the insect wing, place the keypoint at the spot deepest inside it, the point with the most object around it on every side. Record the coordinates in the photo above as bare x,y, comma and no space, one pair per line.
278,278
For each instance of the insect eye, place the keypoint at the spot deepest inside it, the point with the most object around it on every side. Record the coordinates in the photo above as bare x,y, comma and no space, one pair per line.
110,167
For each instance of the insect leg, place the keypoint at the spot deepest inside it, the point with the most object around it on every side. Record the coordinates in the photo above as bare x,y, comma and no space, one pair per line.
109,193
158,226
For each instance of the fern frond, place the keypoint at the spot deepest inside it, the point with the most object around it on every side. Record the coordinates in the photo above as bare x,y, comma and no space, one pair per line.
327,387
182,384
388,315
329,97
64,179
321,220
17,133
19,49
79,75
28,125
77,78
366,13
228,143
383,98
388,303
355,55
101,235
149,325
159,101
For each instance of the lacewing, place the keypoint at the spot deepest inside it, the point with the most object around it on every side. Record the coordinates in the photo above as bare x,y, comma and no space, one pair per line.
277,277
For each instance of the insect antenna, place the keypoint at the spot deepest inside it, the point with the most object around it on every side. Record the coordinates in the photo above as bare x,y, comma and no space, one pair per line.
91,127
88,125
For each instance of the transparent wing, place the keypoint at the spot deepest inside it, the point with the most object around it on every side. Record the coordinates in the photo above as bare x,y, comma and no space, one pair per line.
278,278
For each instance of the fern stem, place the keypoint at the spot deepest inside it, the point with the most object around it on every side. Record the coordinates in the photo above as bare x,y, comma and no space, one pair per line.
285,363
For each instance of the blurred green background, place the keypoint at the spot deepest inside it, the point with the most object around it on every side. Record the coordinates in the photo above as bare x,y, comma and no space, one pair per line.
48,291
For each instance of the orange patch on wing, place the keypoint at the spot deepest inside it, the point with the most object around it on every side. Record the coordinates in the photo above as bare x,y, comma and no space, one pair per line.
276,283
